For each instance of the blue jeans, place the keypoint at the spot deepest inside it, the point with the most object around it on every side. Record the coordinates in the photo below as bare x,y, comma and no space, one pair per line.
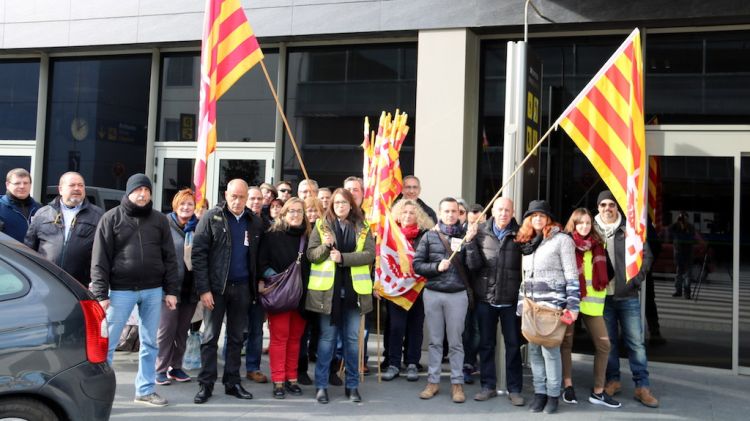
121,304
546,369
254,344
327,345
625,315
487,317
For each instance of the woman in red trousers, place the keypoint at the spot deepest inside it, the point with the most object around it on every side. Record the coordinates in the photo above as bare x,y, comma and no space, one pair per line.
279,248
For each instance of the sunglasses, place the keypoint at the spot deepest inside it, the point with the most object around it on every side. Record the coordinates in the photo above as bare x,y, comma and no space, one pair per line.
285,190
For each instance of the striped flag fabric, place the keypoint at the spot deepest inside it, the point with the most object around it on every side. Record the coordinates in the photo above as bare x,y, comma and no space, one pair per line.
606,123
228,50
654,191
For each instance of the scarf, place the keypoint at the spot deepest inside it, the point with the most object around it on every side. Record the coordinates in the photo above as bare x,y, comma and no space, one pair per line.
500,233
598,261
410,232
189,226
131,209
530,247
608,229
455,230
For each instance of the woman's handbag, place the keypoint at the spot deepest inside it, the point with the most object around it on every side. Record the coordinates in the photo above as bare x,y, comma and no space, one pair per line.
541,325
284,290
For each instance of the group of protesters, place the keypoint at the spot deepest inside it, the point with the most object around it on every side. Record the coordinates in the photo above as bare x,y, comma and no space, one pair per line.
223,262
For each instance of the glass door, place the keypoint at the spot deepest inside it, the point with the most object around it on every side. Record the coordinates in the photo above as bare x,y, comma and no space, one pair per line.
174,165
744,269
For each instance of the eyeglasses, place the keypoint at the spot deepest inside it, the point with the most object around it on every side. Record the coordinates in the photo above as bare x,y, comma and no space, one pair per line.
285,190
295,211
607,205
340,203
462,212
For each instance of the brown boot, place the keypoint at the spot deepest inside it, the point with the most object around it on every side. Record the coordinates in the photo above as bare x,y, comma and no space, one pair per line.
644,396
429,391
457,392
613,387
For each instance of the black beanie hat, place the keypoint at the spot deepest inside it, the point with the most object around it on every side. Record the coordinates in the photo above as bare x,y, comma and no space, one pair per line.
135,181
605,195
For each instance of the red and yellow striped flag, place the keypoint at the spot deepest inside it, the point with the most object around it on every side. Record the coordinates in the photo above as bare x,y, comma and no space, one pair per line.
606,122
654,191
228,50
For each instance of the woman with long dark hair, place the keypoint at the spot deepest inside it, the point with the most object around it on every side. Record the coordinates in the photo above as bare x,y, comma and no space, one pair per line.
593,277
550,279
341,251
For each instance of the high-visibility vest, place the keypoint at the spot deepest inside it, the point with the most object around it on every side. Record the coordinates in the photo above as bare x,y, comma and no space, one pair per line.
322,274
593,303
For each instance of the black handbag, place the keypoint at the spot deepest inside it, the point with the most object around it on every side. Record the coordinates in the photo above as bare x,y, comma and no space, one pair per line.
284,290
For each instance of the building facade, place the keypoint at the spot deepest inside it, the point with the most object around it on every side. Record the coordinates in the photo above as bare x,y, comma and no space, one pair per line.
110,88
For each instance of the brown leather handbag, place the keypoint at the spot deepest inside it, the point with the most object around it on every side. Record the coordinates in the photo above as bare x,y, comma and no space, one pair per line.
542,325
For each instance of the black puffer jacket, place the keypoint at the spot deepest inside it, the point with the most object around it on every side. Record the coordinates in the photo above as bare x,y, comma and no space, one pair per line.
46,235
428,255
499,277
133,253
212,249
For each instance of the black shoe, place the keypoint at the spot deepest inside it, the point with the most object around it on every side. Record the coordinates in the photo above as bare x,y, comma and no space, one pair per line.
538,404
278,391
237,391
322,395
551,406
203,394
334,379
688,294
353,394
569,395
293,388
603,399
303,378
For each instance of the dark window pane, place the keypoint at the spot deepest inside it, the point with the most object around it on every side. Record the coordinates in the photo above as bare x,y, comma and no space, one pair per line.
8,163
98,112
744,320
329,92
177,175
19,88
246,112
251,170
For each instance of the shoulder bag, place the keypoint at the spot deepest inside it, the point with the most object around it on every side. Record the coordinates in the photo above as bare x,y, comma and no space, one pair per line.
284,290
541,325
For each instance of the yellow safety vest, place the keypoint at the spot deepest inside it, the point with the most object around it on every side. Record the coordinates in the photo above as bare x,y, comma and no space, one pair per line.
593,303
322,274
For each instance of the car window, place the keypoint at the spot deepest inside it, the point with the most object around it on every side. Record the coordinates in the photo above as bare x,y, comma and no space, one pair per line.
12,283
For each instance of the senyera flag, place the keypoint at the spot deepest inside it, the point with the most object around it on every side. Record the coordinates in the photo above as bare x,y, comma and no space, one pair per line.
228,50
606,122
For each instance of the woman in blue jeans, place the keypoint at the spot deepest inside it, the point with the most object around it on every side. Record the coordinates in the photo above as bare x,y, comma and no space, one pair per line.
550,279
341,251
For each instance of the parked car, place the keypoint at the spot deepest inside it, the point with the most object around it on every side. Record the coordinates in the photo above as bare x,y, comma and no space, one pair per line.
100,196
53,342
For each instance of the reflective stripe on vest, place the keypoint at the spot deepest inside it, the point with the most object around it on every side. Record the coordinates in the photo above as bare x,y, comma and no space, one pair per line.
593,303
322,274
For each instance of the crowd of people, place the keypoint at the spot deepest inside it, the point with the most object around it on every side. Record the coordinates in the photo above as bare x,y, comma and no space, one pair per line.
227,263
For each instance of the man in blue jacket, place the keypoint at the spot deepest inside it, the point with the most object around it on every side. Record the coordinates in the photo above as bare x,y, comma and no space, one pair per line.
17,206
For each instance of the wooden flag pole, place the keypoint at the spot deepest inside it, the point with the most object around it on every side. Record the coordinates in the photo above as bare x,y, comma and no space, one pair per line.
518,168
283,118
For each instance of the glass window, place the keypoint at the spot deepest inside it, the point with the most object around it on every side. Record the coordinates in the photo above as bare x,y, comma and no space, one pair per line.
329,92
246,112
701,78
492,120
12,283
744,278
8,163
19,89
98,113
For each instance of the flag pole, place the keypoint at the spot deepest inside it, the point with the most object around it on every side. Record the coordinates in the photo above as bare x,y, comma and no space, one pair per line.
283,118
518,168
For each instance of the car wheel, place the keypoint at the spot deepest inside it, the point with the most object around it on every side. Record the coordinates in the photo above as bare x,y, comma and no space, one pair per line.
26,409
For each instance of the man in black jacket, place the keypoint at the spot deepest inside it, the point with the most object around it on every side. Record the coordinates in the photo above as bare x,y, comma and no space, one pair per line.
445,296
496,290
63,231
225,256
133,262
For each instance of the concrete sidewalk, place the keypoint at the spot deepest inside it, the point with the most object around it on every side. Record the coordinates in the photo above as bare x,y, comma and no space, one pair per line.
685,392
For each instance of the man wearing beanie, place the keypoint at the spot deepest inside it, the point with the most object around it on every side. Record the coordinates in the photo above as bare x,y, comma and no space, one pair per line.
622,307
133,263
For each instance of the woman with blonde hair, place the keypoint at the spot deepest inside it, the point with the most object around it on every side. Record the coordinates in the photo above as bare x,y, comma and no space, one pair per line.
593,276
280,248
414,222
550,279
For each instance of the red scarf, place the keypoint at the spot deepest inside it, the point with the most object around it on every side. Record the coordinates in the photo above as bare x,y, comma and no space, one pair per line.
598,261
411,233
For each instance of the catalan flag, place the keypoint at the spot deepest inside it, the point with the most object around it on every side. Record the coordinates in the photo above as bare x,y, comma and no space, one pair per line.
654,191
228,50
606,123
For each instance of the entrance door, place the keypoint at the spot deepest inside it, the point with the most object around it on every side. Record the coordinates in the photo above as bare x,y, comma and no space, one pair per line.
744,268
174,170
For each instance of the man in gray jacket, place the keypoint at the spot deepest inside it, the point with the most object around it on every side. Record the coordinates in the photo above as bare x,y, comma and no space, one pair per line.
445,296
622,307
63,231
